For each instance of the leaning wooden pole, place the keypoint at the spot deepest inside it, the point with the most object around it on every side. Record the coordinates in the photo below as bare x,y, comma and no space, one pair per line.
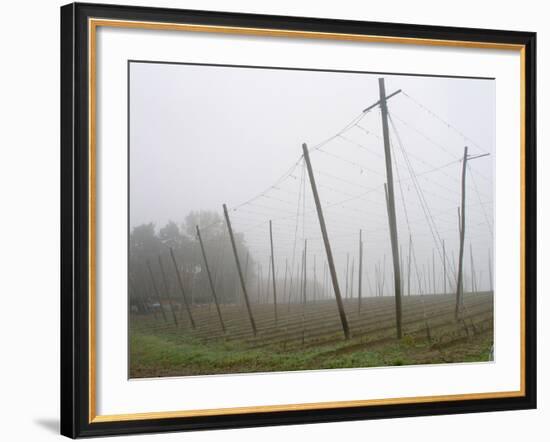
391,206
273,271
183,295
167,291
155,288
397,276
328,249
241,277
460,283
210,280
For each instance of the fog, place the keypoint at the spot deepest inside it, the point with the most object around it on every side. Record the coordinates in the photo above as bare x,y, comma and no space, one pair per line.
202,136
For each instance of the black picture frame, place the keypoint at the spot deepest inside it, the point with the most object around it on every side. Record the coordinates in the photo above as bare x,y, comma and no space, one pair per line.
75,246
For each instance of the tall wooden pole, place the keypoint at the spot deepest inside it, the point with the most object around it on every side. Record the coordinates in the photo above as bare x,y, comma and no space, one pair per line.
268,281
391,206
396,271
460,283
210,280
155,288
238,264
328,249
180,283
167,291
359,291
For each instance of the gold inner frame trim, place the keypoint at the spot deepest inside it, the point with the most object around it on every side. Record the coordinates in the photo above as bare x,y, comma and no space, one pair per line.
93,24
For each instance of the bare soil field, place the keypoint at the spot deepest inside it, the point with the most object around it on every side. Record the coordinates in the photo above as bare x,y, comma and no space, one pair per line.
310,337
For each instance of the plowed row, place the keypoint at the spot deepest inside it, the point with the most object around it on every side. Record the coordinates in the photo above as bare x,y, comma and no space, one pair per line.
428,317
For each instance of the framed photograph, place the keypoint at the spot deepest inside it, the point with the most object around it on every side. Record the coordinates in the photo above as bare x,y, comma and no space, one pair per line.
274,220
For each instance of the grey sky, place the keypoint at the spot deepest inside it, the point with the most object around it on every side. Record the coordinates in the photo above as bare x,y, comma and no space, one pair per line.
202,136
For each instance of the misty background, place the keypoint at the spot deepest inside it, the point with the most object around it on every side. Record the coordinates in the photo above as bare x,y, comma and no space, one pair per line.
202,136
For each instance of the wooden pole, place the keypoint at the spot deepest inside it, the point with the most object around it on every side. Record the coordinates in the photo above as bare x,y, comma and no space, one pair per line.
268,281
391,206
167,291
180,283
396,272
359,291
210,279
238,264
328,249
155,288
459,285
273,271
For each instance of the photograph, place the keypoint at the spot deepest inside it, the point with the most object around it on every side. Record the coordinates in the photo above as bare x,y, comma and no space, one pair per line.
284,219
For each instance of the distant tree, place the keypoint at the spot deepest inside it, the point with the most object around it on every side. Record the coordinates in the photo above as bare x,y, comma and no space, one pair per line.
147,245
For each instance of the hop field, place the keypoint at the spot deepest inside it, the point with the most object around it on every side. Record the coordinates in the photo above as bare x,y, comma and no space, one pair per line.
309,336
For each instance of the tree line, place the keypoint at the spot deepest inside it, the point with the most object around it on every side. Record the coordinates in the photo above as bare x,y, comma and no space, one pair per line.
149,248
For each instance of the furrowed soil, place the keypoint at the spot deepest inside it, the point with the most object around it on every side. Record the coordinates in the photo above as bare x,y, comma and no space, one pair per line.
310,337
